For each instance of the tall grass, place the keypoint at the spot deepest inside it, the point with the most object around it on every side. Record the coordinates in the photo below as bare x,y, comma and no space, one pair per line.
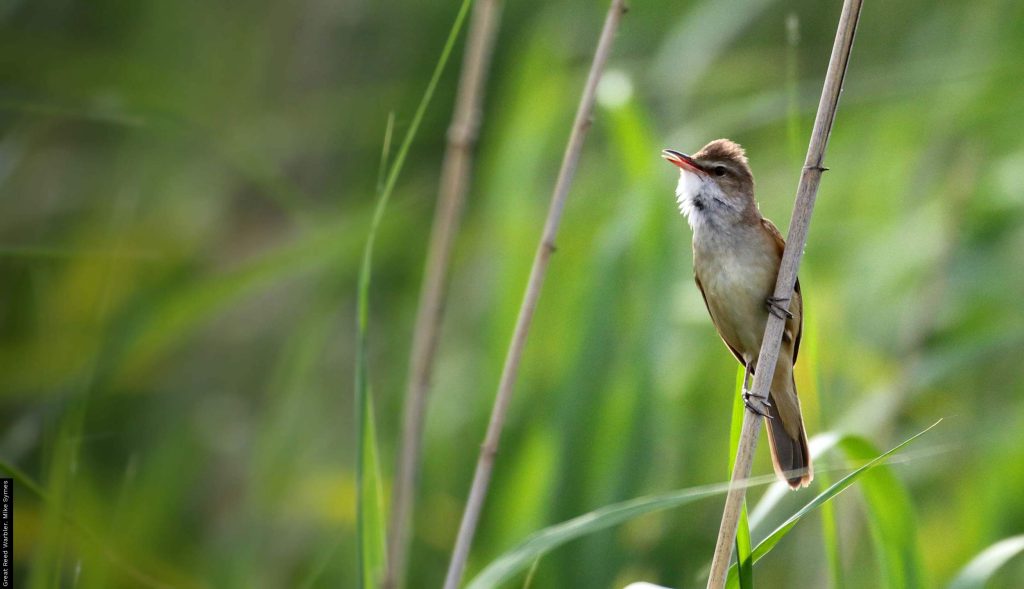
371,521
370,528
519,559
216,450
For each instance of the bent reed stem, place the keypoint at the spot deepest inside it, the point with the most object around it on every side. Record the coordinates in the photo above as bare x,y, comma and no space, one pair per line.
806,194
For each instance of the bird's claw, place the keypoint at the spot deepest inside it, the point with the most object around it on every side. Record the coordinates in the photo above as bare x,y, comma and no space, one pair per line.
775,307
756,405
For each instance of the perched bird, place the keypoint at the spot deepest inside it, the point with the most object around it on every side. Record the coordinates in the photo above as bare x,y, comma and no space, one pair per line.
736,257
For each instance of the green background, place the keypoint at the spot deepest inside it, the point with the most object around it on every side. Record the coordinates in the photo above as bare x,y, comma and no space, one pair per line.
185,188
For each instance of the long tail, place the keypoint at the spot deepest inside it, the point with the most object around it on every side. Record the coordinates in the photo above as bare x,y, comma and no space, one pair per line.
786,436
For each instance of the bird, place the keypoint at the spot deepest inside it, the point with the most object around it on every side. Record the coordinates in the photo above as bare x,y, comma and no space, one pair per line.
736,257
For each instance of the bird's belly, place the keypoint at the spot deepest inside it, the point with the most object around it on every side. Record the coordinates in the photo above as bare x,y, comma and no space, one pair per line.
737,287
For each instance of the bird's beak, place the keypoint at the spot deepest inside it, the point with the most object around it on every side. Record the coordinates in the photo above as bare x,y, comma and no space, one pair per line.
681,160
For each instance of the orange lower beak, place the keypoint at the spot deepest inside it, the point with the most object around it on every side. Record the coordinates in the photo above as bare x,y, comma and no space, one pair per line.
681,160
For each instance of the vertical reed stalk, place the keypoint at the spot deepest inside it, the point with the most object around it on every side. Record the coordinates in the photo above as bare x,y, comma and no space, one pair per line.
455,179
806,194
485,462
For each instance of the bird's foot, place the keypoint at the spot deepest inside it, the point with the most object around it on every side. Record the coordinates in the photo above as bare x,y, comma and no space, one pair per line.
775,307
756,405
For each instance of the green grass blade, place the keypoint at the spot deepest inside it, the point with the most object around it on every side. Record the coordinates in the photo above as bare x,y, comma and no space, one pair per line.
371,515
766,545
385,151
528,582
320,564
369,511
980,570
820,445
410,134
22,479
830,537
890,514
829,522
519,559
743,552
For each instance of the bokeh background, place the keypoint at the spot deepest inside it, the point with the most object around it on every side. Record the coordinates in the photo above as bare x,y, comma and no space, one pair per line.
185,189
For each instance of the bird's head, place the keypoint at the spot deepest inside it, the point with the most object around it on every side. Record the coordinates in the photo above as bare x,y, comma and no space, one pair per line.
715,184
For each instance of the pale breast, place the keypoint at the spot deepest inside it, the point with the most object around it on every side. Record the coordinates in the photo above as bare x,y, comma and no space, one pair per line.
738,275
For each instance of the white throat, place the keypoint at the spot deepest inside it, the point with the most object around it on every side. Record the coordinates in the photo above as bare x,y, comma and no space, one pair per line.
689,187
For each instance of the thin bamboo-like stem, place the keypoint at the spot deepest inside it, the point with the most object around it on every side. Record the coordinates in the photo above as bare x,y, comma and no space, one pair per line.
806,193
455,178
485,462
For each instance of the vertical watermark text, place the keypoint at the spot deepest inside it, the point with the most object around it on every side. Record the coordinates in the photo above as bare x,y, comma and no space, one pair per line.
6,532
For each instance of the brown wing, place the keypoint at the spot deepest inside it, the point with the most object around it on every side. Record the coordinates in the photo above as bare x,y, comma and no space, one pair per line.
794,326
797,309
734,351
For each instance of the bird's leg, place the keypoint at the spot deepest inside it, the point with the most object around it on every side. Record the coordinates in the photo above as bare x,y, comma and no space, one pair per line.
755,405
775,307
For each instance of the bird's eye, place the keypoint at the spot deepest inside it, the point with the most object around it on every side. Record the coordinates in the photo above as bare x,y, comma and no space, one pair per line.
719,170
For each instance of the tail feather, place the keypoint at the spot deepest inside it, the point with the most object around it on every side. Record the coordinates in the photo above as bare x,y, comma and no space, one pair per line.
790,455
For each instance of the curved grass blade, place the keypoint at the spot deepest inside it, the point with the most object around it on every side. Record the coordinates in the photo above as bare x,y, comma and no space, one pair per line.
369,511
369,495
370,550
743,552
980,570
371,506
890,514
766,545
519,559
889,510
820,445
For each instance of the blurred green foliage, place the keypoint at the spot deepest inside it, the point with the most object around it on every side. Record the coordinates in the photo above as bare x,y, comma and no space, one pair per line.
185,188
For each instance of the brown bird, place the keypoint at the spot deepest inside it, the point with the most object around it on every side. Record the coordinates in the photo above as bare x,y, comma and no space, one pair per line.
736,256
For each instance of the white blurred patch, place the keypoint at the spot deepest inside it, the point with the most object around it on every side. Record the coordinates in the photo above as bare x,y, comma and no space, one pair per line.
643,585
615,89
